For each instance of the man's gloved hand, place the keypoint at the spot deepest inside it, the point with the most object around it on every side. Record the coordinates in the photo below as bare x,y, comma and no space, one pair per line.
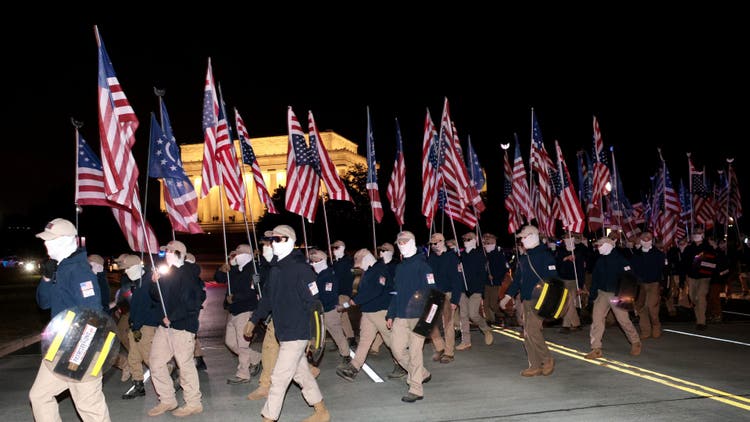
507,300
137,336
49,268
249,328
224,268
230,299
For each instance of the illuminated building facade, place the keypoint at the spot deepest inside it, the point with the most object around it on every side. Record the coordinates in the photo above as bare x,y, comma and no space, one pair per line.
271,154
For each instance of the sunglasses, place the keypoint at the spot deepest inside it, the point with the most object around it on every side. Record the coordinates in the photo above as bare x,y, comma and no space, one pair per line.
277,239
466,239
434,243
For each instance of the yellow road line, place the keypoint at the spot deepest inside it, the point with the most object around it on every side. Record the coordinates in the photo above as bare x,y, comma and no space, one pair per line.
658,377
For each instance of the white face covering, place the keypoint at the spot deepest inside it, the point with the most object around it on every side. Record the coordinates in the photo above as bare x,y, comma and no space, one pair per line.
605,249
367,262
409,249
531,241
387,256
61,247
490,247
96,267
173,260
439,247
267,253
697,238
470,244
338,252
282,249
233,261
319,266
134,272
646,246
552,246
570,244
242,259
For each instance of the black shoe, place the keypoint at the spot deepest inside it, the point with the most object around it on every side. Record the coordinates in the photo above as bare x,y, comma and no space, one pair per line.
136,390
427,379
701,327
255,369
348,373
352,342
200,364
345,361
411,398
398,372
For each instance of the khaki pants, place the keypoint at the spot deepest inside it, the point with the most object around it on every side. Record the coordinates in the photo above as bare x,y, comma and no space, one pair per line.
647,307
140,351
376,343
370,325
234,338
290,365
333,324
602,306
448,346
533,337
698,290
88,397
571,319
169,343
470,311
269,354
122,330
407,349
346,324
491,303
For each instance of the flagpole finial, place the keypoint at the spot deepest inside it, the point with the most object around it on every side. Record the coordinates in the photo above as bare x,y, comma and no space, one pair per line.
730,160
77,124
688,154
159,92
505,146
96,34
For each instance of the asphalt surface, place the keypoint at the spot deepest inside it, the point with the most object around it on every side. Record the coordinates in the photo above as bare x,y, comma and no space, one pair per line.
686,375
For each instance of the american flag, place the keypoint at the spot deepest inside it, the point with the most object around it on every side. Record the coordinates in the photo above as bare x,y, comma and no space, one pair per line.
117,126
396,192
335,187
721,195
210,170
476,175
372,174
686,211
621,207
667,209
430,164
521,195
180,198
703,205
514,221
540,163
570,209
302,180
229,165
90,176
454,175
601,171
248,157
735,199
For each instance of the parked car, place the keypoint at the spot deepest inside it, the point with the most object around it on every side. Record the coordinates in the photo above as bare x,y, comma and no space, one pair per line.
23,264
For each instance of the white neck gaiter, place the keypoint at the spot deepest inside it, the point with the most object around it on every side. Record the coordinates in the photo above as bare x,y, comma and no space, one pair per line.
319,266
135,272
387,256
96,267
338,252
367,262
605,249
646,246
409,249
490,247
570,244
470,245
61,247
282,249
531,241
173,261
267,253
243,259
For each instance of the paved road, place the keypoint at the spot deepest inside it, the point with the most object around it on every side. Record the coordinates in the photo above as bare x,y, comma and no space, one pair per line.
685,376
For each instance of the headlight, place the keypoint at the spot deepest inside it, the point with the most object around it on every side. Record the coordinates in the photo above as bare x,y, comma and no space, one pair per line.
29,266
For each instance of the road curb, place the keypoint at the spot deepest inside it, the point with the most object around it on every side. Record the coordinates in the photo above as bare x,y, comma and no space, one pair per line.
12,346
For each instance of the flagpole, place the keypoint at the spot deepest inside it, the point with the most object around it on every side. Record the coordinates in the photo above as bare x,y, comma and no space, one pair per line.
729,195
328,233
304,237
249,209
224,224
455,236
690,193
77,125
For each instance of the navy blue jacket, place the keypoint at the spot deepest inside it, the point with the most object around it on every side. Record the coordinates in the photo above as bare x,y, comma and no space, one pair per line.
525,279
181,291
413,275
447,277
328,288
74,284
101,279
498,267
475,269
343,269
392,271
244,292
649,266
607,272
144,310
289,297
565,267
373,294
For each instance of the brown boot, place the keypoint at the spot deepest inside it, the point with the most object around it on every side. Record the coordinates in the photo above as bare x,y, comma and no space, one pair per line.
594,354
531,372
265,419
635,349
548,366
320,415
259,393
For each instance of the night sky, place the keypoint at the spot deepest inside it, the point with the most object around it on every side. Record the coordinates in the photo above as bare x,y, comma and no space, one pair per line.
651,81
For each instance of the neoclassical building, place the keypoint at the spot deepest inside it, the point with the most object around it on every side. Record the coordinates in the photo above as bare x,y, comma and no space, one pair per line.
271,153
